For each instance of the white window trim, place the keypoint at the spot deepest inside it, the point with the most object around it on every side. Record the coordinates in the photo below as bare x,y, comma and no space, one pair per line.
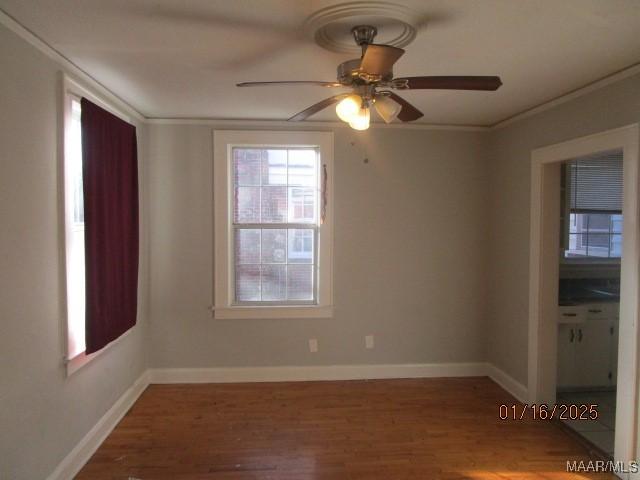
223,142
71,88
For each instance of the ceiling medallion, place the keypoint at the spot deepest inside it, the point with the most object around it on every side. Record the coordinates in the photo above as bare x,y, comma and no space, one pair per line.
330,27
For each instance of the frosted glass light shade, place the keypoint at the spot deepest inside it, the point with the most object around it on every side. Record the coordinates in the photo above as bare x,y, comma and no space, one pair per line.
349,107
388,109
361,120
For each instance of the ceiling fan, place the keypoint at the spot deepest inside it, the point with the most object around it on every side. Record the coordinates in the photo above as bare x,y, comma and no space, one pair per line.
371,77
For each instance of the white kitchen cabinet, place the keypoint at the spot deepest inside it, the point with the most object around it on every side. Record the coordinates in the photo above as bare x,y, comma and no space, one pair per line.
593,353
566,354
587,346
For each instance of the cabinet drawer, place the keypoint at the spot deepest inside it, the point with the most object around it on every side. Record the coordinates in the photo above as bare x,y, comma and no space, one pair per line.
605,311
573,314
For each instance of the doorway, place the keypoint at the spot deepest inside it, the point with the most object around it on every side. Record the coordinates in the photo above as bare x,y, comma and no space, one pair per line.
590,242
544,312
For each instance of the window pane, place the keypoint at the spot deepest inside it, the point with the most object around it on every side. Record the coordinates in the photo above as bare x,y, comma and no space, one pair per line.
248,283
74,162
274,204
274,282
616,246
300,282
616,223
246,166
274,167
76,286
576,247
598,245
247,205
572,223
300,245
303,168
578,223
599,222
247,246
302,204
274,245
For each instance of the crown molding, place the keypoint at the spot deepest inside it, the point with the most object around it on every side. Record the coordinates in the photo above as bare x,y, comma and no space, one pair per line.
306,125
70,67
567,97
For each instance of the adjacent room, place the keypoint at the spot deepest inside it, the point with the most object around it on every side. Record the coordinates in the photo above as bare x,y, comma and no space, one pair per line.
319,239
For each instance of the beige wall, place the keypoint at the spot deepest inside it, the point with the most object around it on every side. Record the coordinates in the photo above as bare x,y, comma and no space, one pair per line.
409,253
43,414
510,170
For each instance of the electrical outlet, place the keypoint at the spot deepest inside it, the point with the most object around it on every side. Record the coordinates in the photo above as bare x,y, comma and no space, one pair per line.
313,345
368,341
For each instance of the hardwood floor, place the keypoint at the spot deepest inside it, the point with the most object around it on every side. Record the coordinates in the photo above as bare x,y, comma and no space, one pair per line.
446,428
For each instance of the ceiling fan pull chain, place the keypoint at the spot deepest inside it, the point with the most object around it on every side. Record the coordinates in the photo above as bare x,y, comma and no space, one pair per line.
323,211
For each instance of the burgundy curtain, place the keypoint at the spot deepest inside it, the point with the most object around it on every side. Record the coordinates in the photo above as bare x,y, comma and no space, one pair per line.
110,182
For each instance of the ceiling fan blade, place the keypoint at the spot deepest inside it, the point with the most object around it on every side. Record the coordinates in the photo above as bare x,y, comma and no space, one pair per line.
379,59
292,82
303,115
449,83
408,112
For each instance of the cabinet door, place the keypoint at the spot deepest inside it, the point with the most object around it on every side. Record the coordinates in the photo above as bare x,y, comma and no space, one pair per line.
593,353
566,355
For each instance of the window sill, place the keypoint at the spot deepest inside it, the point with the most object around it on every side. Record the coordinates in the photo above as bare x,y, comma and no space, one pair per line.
590,261
76,363
294,311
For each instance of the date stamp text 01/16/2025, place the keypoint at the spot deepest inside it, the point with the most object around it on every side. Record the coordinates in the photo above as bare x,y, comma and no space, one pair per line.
542,411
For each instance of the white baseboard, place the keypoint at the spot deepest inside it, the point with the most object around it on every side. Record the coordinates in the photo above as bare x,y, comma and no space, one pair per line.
314,373
82,452
76,459
507,382
338,372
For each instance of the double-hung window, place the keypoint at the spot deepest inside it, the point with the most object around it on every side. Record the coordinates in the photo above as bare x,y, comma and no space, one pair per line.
72,169
272,224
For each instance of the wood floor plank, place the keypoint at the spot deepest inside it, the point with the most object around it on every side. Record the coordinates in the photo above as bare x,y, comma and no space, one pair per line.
446,428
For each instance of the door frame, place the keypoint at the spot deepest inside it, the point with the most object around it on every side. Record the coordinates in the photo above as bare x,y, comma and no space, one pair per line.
543,274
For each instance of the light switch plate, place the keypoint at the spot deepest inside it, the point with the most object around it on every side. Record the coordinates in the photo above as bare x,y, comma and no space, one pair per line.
368,341
313,345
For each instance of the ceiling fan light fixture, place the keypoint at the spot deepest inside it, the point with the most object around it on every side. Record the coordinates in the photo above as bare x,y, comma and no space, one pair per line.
361,120
374,70
387,108
348,108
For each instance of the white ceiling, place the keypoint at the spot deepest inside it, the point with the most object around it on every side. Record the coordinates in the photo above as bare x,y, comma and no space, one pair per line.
171,58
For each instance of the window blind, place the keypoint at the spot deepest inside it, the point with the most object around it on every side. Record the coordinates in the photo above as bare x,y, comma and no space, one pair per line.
594,183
